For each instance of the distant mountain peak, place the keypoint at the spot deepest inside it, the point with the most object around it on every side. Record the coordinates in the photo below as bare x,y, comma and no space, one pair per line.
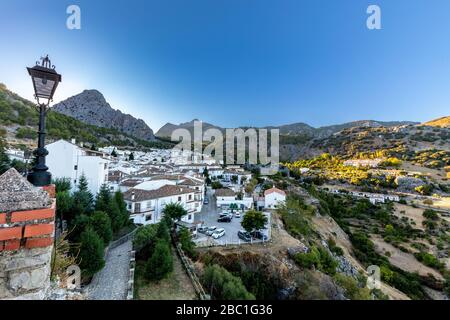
91,107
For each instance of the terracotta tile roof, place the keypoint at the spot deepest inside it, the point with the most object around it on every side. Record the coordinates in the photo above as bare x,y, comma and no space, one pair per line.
191,182
224,193
131,183
272,190
165,191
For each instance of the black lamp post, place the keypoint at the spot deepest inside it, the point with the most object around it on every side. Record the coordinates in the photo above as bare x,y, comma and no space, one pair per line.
45,80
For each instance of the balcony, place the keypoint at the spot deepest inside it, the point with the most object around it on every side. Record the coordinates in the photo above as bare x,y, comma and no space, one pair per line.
146,210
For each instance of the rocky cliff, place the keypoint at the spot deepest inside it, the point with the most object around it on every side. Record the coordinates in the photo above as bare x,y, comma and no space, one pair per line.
91,107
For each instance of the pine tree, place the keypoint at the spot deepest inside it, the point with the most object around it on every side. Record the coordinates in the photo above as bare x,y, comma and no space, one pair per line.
103,199
83,201
91,252
131,157
122,206
160,263
162,233
101,224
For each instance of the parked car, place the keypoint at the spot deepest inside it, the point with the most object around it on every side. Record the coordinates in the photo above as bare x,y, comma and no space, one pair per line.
206,201
202,229
237,214
244,235
218,233
259,235
226,215
226,218
211,230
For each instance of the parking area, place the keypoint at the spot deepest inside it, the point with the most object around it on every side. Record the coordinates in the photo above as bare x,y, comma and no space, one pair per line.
209,215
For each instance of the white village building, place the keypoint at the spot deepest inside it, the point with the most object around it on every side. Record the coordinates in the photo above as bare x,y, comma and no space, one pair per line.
146,206
67,160
274,197
226,197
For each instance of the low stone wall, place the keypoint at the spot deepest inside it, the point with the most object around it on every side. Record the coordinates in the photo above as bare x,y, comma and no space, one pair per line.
26,243
26,239
130,291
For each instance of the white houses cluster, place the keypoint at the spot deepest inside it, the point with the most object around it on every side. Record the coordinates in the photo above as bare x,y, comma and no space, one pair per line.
152,180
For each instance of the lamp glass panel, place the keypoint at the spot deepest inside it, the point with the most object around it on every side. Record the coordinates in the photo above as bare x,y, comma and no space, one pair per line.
44,87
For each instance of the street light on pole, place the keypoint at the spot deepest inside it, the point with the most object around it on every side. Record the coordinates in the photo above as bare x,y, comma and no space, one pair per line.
45,80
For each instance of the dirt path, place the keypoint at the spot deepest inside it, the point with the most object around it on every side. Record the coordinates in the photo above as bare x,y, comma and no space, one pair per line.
177,286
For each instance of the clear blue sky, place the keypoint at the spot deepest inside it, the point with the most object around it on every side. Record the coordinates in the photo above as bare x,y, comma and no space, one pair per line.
239,62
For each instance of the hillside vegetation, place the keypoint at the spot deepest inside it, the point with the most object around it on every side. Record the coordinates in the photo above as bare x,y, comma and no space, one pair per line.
441,122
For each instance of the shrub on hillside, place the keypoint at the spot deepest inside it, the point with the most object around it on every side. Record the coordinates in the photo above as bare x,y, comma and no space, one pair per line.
223,285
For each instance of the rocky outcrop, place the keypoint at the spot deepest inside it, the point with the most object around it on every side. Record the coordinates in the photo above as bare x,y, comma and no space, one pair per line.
91,107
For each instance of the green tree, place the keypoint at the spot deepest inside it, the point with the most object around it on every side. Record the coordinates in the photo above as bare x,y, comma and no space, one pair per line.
430,214
185,238
160,263
118,198
131,157
114,153
62,184
101,224
103,199
254,220
91,252
83,201
174,211
115,215
223,285
64,207
216,185
162,232
79,224
144,241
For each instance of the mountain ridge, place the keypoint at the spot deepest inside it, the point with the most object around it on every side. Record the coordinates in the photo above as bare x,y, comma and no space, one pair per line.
91,107
294,129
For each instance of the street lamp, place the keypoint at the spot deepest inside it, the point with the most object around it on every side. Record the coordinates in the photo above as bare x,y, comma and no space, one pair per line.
45,80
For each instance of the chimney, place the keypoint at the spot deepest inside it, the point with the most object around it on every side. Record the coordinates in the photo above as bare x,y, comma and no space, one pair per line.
132,196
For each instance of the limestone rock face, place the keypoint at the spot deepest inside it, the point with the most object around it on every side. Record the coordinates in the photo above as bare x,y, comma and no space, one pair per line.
91,107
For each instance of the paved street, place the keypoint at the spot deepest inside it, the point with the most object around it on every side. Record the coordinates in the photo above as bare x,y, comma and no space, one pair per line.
112,281
209,215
